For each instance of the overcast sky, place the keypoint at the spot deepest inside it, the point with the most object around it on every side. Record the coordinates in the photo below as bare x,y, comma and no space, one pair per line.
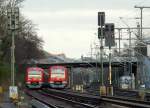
69,26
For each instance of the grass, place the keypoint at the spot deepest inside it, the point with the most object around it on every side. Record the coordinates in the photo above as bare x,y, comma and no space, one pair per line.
5,75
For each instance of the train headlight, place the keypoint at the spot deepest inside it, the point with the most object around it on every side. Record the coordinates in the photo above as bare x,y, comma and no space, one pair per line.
51,82
64,82
28,82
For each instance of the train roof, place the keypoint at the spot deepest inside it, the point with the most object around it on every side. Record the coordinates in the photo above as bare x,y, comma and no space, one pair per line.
57,66
34,68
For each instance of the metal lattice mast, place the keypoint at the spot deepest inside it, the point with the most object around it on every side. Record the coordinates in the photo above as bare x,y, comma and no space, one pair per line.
141,9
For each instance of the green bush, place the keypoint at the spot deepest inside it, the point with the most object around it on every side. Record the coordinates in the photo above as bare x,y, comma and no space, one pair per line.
5,73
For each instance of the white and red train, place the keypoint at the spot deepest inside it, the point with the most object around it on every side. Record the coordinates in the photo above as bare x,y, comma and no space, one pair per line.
34,77
56,77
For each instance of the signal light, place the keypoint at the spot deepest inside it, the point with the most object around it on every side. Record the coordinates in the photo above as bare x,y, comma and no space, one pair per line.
101,33
101,18
109,34
112,28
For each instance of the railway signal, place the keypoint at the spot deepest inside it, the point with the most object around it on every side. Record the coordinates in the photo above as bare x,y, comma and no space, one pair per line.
105,31
109,35
12,26
101,23
101,18
13,18
101,33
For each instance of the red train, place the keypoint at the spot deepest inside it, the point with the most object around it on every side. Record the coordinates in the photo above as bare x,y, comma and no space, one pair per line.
34,77
58,76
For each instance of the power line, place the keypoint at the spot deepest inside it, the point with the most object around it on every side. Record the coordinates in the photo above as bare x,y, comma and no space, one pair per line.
141,2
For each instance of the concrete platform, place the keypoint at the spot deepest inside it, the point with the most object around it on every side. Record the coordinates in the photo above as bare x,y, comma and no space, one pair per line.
6,102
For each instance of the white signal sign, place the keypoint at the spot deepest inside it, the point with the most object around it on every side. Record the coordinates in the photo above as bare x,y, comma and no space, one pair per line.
13,92
148,50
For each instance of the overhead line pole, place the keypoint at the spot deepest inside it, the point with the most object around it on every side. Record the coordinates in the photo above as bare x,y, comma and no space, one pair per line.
119,40
130,65
141,9
141,32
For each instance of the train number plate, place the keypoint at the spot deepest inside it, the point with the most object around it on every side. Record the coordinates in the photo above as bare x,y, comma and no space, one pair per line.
34,83
58,82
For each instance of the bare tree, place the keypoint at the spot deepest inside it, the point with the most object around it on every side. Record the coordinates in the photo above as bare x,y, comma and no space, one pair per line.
28,44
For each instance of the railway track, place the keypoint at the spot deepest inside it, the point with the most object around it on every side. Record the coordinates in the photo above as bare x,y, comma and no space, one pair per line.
78,100
127,94
69,100
39,101
132,94
37,104
44,97
97,100
126,102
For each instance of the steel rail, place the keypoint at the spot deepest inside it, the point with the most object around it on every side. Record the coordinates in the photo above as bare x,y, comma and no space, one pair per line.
105,99
68,100
86,98
40,100
37,104
126,102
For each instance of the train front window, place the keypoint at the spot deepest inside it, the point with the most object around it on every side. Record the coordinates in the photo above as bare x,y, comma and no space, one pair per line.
58,72
35,74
